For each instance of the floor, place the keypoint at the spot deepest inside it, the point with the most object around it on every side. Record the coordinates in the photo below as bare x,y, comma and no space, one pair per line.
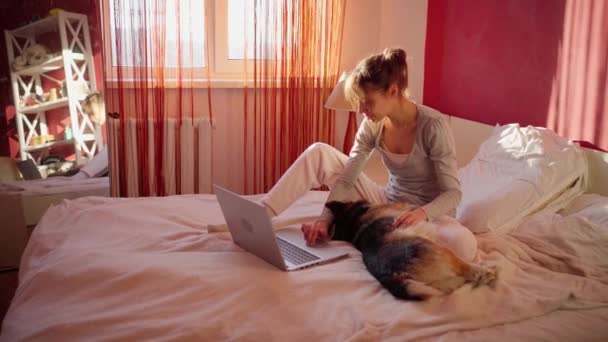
8,285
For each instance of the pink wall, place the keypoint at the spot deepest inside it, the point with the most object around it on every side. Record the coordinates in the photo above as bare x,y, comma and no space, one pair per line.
492,61
403,24
14,14
498,61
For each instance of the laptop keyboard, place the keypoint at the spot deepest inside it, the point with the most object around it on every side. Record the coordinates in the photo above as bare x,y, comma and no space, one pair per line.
295,254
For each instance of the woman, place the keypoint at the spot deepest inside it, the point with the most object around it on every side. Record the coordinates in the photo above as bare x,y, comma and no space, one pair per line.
415,142
94,107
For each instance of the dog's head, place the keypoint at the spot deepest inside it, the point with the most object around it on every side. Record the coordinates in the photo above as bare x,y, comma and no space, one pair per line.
347,218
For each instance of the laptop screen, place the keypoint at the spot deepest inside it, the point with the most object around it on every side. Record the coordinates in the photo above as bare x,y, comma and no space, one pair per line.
28,169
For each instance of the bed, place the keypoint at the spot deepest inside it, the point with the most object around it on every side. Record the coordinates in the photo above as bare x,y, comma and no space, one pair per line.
108,269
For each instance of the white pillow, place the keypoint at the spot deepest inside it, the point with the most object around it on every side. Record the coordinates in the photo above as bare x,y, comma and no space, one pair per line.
518,171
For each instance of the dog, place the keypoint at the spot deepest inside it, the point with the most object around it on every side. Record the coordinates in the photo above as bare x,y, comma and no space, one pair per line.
405,260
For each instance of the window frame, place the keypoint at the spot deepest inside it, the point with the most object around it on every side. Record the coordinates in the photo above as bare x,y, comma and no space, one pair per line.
199,74
222,72
223,65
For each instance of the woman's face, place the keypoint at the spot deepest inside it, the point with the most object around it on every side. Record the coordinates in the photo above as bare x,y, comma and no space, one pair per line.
376,104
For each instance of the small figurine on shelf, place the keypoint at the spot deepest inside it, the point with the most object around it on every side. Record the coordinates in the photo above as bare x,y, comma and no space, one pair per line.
67,133
19,63
36,54
35,99
32,55
54,11
63,89
42,139
52,95
48,138
37,140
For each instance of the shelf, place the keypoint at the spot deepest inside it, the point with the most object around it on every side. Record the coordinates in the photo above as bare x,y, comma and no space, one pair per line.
48,24
86,137
72,49
46,106
54,63
48,145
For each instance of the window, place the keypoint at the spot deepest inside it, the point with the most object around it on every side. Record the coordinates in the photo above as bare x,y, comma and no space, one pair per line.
191,27
241,27
229,22
130,18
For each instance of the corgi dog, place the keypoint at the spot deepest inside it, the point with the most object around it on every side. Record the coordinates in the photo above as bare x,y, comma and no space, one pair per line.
407,261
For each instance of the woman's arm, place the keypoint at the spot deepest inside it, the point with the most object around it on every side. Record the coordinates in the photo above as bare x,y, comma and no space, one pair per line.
441,151
358,157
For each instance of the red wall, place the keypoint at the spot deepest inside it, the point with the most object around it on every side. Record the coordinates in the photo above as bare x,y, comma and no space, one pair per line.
14,14
495,61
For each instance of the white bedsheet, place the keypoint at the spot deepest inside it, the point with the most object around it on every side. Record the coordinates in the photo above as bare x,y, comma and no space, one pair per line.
135,269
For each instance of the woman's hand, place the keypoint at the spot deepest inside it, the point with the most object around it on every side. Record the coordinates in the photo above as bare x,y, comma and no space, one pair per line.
410,218
315,231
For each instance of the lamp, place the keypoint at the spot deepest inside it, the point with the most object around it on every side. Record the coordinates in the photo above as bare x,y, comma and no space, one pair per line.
337,101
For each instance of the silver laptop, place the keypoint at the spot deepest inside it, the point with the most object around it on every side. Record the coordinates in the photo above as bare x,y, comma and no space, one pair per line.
28,169
251,229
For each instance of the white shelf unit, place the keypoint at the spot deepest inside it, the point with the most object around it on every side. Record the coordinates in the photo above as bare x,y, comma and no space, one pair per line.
76,60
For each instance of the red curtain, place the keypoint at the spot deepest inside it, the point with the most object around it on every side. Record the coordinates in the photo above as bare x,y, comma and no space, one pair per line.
290,71
157,49
578,107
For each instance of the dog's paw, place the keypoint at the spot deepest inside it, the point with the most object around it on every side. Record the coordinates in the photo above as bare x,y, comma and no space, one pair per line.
489,277
480,275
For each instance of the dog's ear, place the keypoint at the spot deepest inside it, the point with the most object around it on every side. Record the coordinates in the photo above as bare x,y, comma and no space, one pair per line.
336,207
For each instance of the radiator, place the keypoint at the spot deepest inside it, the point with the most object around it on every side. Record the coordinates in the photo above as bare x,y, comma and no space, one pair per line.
195,151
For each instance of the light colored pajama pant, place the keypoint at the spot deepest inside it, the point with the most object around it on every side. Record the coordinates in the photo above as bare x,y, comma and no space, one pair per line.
320,164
